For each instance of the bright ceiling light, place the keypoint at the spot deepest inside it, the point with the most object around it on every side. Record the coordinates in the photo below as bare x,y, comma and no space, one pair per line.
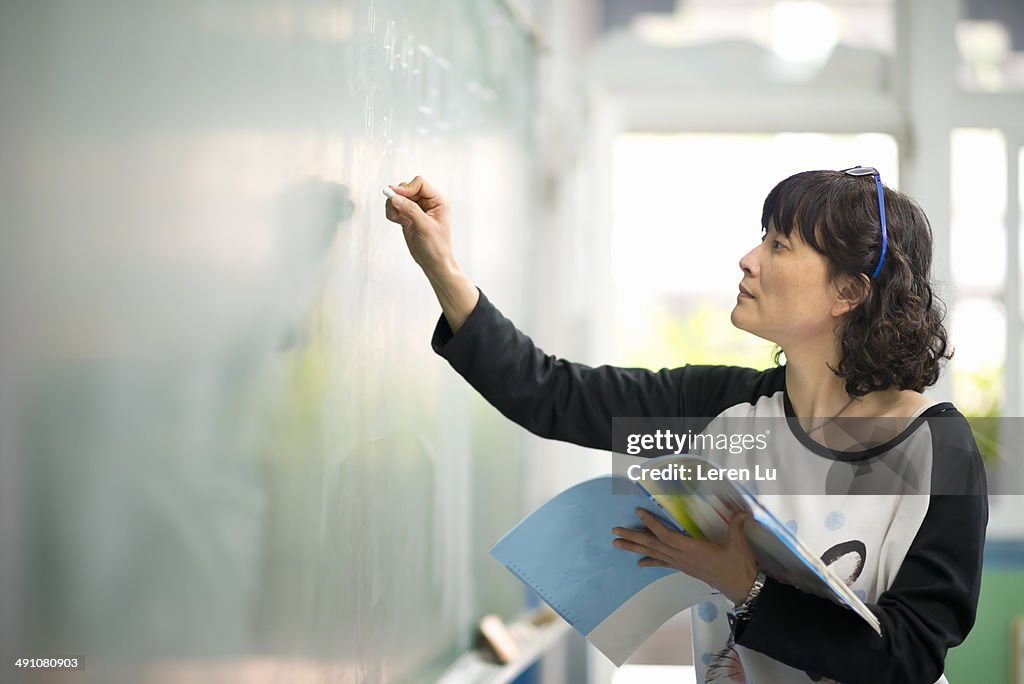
803,31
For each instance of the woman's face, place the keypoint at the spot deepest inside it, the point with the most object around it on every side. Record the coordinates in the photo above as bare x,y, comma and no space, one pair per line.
787,298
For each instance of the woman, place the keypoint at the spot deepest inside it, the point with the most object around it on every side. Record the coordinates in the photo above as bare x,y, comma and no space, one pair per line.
841,283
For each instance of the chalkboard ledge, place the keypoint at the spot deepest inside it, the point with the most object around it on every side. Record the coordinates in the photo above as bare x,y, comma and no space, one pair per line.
533,641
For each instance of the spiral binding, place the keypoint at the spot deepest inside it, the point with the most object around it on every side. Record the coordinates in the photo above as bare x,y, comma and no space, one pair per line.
569,617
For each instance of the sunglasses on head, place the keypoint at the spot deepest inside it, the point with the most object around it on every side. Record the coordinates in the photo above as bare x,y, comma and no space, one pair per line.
870,171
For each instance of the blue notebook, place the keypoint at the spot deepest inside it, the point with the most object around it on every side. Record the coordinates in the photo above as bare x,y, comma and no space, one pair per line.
564,552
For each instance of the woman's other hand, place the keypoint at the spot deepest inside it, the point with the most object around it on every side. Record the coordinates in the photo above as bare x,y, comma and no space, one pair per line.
729,567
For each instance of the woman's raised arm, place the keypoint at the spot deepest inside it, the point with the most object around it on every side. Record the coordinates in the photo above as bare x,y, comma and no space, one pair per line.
547,395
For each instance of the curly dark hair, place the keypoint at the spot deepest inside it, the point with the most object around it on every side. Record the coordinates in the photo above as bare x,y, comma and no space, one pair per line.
895,337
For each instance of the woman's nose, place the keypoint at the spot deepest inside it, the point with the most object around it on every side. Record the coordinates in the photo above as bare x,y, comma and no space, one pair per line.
748,262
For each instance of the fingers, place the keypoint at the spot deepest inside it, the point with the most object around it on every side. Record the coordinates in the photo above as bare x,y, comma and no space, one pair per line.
632,539
668,535
658,542
419,190
641,541
648,562
650,552
391,213
660,530
660,546
736,523
632,535
630,546
402,210
395,216
416,189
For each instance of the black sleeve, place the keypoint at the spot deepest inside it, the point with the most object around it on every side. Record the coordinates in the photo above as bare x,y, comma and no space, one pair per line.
572,402
929,608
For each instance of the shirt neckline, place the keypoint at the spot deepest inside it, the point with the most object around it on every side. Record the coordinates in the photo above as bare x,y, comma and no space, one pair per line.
822,450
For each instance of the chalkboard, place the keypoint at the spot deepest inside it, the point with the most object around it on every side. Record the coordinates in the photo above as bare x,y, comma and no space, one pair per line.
226,447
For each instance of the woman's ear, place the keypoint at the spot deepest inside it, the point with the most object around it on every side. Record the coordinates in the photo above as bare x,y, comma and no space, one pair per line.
851,291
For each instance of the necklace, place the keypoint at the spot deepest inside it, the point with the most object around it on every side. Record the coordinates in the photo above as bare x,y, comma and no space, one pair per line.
832,418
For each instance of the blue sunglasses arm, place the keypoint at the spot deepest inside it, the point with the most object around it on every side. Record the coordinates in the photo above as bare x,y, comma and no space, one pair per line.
881,210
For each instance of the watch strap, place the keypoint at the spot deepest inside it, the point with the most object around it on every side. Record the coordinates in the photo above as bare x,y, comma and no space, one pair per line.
742,611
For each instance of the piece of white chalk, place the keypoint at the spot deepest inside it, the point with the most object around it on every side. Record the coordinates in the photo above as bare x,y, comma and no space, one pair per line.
389,193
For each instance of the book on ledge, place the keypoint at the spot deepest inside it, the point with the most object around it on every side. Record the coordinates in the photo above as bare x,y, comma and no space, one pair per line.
563,551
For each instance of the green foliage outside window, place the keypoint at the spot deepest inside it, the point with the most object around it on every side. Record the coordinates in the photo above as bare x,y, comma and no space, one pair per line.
707,336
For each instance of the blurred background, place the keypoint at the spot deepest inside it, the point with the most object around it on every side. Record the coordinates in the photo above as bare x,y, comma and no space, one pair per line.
227,452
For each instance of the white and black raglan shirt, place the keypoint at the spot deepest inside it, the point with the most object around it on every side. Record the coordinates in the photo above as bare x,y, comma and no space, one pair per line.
914,556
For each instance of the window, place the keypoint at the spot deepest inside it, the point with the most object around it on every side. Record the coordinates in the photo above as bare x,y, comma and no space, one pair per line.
686,207
990,41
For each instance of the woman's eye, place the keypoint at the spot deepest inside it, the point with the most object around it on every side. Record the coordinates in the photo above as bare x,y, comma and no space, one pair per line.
776,244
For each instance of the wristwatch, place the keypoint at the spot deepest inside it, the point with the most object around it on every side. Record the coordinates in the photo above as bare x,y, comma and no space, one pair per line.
742,611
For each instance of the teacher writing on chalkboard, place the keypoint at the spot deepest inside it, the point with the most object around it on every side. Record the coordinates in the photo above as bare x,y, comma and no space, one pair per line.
841,283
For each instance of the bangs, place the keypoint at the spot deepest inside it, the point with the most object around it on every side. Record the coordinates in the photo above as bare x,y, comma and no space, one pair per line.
801,202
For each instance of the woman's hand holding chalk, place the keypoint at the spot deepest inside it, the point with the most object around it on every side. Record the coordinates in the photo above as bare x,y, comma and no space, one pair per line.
423,214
